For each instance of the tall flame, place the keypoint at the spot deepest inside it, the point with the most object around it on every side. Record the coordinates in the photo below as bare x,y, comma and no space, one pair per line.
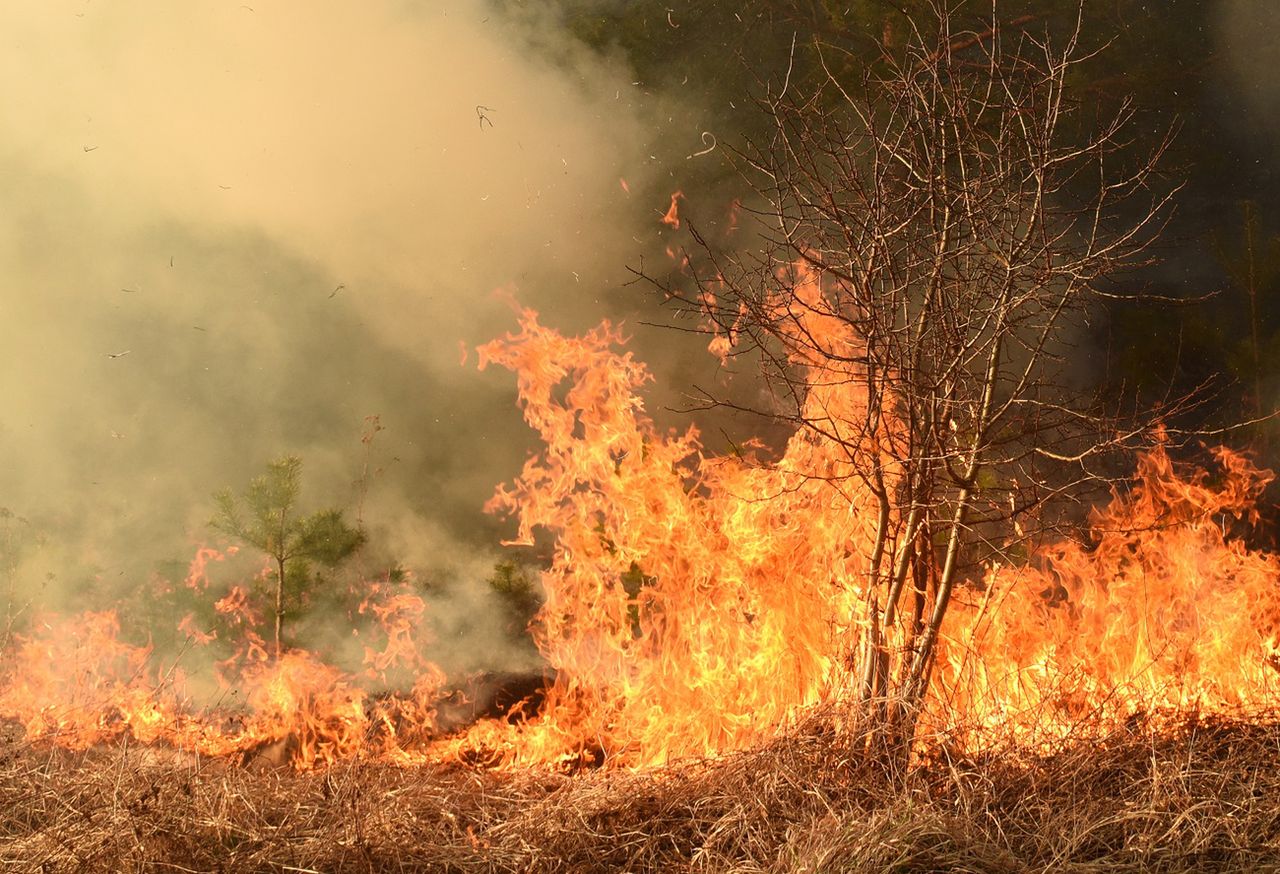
1160,610
693,603
696,603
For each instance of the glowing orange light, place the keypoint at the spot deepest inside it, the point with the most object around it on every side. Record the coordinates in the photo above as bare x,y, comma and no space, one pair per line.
697,602
672,216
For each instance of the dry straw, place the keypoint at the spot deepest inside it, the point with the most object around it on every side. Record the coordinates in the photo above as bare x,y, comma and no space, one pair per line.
1194,796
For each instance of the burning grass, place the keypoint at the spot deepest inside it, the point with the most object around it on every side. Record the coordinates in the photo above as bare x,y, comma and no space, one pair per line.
696,603
1195,795
698,609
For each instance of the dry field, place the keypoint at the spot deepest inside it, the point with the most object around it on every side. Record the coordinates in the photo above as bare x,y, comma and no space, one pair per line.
1199,797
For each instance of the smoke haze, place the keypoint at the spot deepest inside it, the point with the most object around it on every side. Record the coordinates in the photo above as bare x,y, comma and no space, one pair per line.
231,232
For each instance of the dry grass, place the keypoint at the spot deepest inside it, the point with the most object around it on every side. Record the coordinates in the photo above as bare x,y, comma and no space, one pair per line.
1202,796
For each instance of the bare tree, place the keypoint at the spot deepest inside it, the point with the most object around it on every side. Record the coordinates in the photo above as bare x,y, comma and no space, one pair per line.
929,235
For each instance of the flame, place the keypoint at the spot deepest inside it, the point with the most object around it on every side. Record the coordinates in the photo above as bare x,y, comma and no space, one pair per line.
75,682
188,627
198,571
672,216
1159,611
697,603
693,604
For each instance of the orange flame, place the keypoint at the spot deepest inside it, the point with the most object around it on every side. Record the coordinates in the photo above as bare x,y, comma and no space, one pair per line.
693,604
696,603
672,216
1160,611
74,682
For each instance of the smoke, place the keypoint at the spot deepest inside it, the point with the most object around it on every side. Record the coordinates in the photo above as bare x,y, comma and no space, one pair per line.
1249,55
233,231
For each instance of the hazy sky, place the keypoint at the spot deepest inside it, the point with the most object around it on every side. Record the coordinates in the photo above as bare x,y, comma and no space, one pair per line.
228,232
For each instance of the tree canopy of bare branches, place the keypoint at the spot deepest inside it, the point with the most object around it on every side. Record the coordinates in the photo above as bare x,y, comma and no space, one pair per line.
931,234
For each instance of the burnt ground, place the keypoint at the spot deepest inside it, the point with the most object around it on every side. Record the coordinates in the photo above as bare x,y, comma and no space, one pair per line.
1197,796
492,695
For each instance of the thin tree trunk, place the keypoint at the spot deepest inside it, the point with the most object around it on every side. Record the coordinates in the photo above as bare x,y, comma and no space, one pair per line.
874,644
279,605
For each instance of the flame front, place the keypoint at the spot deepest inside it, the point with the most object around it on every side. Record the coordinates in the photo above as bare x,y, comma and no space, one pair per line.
74,682
697,603
1159,611
693,604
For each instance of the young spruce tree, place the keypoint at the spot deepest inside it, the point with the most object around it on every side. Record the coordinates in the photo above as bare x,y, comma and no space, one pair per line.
266,517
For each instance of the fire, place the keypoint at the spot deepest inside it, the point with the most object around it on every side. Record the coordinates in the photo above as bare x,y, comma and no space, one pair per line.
697,603
1161,610
75,682
693,603
672,216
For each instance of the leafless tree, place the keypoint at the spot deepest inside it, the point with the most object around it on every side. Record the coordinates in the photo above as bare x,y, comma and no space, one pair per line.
931,234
